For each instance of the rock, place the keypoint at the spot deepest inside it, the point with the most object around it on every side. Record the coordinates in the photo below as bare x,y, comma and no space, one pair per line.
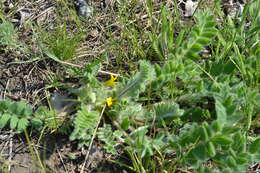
62,103
84,9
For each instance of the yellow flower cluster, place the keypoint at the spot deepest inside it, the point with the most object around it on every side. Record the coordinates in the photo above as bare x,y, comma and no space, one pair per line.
110,101
110,83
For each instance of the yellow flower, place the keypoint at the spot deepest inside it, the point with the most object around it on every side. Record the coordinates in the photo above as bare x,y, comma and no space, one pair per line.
110,101
111,82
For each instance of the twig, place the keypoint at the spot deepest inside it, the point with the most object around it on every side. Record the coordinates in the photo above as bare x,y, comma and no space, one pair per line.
62,161
106,72
80,66
182,170
42,13
10,153
92,139
2,149
7,84
196,8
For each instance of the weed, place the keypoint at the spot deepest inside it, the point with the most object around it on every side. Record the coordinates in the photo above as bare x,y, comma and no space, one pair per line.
60,44
179,109
8,35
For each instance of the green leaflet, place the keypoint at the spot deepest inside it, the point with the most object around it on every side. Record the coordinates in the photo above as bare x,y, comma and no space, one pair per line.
14,121
4,120
200,152
140,141
221,140
22,124
221,112
255,146
211,149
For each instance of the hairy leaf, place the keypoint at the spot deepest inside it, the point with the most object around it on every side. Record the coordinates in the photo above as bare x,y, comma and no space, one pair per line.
221,112
167,111
137,84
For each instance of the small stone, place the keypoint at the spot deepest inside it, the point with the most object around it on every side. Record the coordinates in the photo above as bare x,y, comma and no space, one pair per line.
85,10
61,102
190,8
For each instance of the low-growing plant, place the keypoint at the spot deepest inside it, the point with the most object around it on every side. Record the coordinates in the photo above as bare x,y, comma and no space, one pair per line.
217,136
60,44
18,116
110,138
85,122
50,118
8,35
186,111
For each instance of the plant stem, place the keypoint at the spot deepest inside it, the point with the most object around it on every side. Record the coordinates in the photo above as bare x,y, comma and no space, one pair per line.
92,139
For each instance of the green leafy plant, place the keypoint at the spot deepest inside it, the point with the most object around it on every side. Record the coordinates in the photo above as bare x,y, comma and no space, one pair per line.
49,118
8,35
162,44
110,138
195,144
17,115
184,111
60,44
85,122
